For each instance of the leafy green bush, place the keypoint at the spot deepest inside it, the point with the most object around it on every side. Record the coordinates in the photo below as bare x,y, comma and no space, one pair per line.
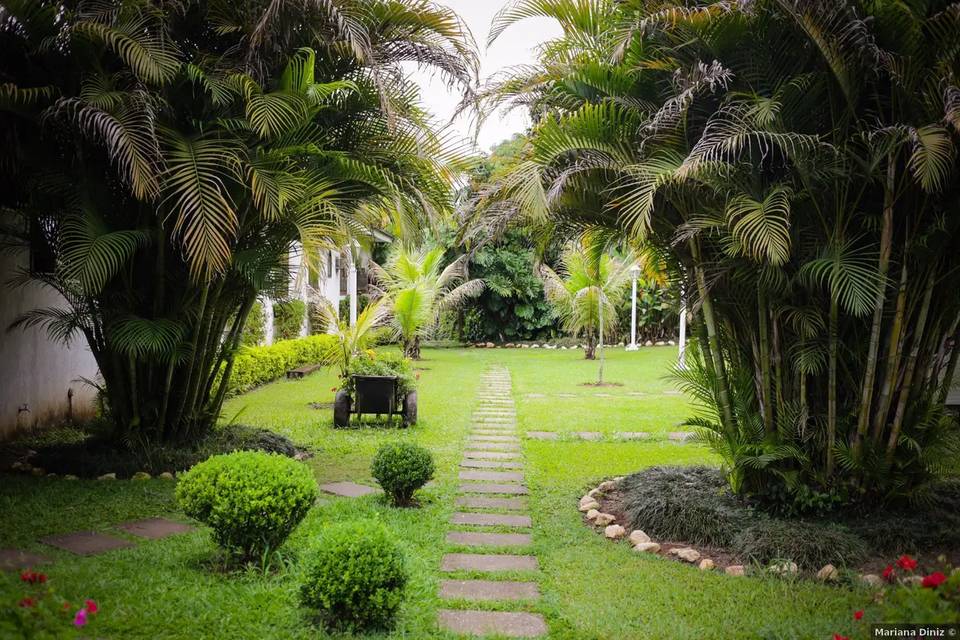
693,504
401,468
253,366
288,319
386,363
356,576
810,544
251,500
935,601
254,329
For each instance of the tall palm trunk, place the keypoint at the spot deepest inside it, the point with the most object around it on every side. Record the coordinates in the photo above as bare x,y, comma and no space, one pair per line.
766,400
894,351
832,383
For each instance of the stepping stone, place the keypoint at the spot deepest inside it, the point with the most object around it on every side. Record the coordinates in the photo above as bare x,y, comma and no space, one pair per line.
603,395
348,489
542,435
492,476
488,562
16,560
488,590
680,436
477,502
497,438
486,431
154,528
503,429
493,446
86,543
474,539
631,435
491,455
566,395
490,464
491,519
588,435
512,624
536,395
513,489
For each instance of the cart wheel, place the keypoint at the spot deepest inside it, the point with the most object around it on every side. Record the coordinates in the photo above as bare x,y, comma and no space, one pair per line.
410,409
341,409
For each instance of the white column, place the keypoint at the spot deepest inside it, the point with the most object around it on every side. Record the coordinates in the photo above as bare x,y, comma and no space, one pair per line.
682,361
633,317
352,287
267,304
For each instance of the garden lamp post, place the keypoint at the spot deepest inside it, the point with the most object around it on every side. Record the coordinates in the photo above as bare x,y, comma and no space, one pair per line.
635,273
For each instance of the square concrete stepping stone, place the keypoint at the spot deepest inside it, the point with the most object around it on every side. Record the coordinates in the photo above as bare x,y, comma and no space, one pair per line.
490,464
631,435
566,395
542,435
536,395
491,455
496,438
492,476
348,489
17,560
488,562
488,590
588,435
510,489
86,543
680,436
154,528
495,429
493,446
491,519
477,502
475,539
512,624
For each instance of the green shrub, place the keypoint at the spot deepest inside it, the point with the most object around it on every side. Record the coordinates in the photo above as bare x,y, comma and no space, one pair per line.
254,329
810,544
386,363
253,366
930,605
288,319
251,500
401,468
692,504
356,576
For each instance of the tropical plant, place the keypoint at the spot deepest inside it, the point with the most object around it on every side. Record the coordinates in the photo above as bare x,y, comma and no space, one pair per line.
795,163
420,288
174,154
254,329
288,319
587,290
347,341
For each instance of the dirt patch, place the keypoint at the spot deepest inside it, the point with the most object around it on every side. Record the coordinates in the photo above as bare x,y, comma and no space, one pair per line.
601,384
320,405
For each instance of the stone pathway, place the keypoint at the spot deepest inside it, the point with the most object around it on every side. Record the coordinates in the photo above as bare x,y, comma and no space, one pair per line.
492,467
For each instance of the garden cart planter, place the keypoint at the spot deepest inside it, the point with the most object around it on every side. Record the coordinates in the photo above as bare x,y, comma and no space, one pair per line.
375,395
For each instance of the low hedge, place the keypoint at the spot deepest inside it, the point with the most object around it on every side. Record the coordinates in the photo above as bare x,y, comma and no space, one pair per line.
253,366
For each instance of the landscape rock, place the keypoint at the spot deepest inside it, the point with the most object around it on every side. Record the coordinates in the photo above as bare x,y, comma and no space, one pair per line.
648,343
671,343
647,547
661,343
638,537
592,514
686,553
489,345
166,475
614,532
38,471
70,476
735,570
872,579
141,475
707,565
829,573
784,568
107,476
603,519
587,506
593,493
607,485
916,581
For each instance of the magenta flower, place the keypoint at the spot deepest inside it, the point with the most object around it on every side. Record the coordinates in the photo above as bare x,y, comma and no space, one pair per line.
80,619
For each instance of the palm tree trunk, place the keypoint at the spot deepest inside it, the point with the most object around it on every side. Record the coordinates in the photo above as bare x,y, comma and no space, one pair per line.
894,351
590,348
766,402
832,383
886,246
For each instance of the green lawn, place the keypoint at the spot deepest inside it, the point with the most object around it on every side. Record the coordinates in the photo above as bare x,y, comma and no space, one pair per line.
591,588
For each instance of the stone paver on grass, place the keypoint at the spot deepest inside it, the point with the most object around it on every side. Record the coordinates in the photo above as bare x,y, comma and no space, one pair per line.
542,435
491,455
86,543
680,436
480,502
515,489
488,590
588,435
348,489
154,528
17,559
492,476
631,435
476,539
488,562
491,519
491,464
496,438
493,446
512,624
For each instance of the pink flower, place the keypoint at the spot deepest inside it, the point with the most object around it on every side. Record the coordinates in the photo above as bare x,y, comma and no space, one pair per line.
906,563
80,619
858,615
933,580
91,606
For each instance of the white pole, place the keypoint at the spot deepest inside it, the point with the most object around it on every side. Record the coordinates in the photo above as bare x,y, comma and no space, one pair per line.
601,336
683,334
633,317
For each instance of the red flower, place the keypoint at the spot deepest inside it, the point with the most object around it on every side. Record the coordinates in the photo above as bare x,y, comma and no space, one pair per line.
907,563
26,603
33,577
90,606
858,615
933,580
837,636
889,573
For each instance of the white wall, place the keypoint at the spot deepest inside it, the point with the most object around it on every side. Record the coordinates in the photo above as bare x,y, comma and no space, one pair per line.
37,374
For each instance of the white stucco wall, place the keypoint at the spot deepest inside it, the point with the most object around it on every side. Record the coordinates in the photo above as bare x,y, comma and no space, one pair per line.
37,374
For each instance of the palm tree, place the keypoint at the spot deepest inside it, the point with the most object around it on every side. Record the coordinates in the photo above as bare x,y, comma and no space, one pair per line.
173,154
587,291
420,288
351,339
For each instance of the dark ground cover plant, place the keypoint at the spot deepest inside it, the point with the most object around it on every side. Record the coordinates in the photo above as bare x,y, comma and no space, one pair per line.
356,576
401,468
251,500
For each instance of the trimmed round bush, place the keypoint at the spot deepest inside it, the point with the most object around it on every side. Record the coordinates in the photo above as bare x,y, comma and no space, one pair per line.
355,577
252,500
401,468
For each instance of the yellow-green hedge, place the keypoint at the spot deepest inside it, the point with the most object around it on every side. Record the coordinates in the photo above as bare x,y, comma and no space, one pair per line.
253,366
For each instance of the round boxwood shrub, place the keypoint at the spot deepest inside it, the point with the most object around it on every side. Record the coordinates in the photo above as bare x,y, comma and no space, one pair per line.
252,500
355,577
401,468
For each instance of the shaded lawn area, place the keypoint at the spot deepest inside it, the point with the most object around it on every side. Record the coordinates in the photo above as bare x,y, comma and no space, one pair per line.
591,588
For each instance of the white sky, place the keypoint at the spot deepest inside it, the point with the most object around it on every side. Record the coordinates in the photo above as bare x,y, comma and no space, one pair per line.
515,46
